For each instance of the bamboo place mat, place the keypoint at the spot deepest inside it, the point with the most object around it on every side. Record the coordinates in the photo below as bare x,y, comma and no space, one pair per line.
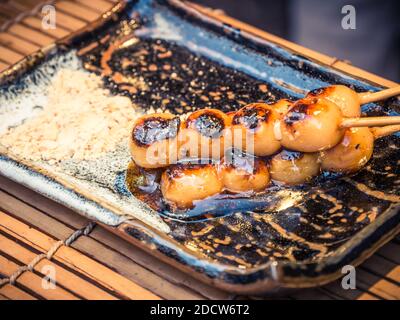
93,263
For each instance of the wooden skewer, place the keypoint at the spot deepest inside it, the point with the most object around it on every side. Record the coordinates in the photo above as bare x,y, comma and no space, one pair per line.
381,132
367,97
370,122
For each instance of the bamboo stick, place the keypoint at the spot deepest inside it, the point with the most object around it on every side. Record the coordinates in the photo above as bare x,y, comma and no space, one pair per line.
380,132
369,122
367,97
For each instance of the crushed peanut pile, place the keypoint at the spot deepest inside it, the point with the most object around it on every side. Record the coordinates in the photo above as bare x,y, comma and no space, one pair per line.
81,120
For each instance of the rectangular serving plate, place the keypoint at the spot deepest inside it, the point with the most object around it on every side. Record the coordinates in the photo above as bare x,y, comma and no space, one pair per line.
297,243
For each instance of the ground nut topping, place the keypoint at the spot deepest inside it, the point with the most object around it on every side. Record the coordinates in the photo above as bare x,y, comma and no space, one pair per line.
81,120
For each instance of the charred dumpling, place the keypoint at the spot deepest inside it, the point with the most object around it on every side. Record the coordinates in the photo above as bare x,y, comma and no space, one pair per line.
294,168
312,125
244,173
346,99
203,135
282,106
154,140
184,184
253,129
352,153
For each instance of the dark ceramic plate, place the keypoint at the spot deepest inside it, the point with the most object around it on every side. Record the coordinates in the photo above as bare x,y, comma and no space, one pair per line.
163,54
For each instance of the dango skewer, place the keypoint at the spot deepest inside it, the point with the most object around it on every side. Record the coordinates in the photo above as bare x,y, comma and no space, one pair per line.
294,168
203,134
243,173
253,129
368,97
381,132
154,140
351,154
355,150
183,185
345,98
317,124
350,101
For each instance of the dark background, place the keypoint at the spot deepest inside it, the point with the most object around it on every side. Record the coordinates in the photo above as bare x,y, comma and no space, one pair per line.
316,24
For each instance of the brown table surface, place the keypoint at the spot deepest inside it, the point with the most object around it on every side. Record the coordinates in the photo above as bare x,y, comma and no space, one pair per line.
100,265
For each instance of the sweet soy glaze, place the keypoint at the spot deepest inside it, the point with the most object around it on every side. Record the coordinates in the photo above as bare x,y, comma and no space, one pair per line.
158,76
145,185
187,183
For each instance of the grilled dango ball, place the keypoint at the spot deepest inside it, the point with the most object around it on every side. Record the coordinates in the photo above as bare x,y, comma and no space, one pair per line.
311,125
203,134
184,184
153,142
244,173
253,129
282,106
345,98
294,168
352,153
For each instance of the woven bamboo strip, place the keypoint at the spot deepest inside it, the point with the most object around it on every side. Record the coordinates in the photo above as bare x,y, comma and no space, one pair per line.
383,268
29,34
74,259
34,282
3,65
21,46
14,293
9,56
354,294
66,21
390,252
77,11
66,278
108,248
366,296
377,285
98,5
36,23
